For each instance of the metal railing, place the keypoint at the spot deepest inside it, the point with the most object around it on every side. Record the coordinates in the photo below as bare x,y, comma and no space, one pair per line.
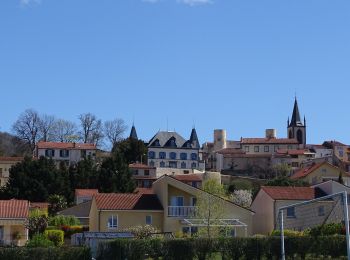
181,211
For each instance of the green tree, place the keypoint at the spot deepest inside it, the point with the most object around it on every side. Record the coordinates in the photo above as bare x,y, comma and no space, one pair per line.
114,175
56,203
210,206
132,150
36,223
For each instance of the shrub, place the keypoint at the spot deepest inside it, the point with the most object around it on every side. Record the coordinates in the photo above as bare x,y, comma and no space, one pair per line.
39,240
56,236
287,233
326,230
59,221
141,232
70,230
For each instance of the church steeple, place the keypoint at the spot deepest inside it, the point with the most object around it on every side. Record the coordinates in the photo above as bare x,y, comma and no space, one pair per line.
133,134
296,128
296,115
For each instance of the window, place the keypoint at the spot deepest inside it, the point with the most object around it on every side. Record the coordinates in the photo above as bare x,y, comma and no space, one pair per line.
172,155
193,156
136,172
50,153
289,147
341,154
256,149
83,153
177,201
148,220
64,153
321,210
183,165
151,155
291,212
146,172
324,170
162,164
183,156
173,164
266,148
113,222
151,163
246,149
194,184
276,148
193,165
193,201
162,155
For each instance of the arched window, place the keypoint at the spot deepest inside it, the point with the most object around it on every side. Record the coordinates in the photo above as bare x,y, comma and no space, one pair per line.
193,156
183,156
151,155
183,165
300,136
162,155
193,165
172,155
162,164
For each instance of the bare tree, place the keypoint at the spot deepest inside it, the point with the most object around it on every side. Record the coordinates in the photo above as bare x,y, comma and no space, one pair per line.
114,130
91,128
27,127
65,131
46,127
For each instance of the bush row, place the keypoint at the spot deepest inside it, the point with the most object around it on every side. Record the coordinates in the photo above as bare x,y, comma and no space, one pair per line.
52,253
229,248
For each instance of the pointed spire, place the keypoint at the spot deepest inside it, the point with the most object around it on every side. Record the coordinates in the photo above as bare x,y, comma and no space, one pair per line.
194,138
288,122
133,133
296,115
304,120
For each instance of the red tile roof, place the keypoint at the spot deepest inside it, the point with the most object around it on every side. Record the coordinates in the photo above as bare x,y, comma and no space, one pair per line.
11,159
256,155
188,177
268,141
13,209
85,192
142,177
309,169
140,166
293,151
290,193
72,146
231,151
127,201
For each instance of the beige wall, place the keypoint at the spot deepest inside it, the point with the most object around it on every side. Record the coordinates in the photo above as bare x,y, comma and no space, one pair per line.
4,171
126,219
263,219
9,228
324,171
271,148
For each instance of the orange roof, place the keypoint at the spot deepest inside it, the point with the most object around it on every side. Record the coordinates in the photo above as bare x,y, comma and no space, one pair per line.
188,177
127,201
256,155
309,169
268,141
140,166
292,151
85,192
14,209
72,146
11,159
231,151
290,193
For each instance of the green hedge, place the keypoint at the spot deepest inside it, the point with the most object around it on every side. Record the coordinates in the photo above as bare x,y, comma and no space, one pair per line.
52,253
228,248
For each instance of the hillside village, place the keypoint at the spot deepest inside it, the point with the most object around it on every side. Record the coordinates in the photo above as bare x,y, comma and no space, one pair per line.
161,183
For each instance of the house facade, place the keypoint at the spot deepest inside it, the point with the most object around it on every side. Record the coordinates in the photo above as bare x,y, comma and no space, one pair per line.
5,164
13,214
67,153
170,150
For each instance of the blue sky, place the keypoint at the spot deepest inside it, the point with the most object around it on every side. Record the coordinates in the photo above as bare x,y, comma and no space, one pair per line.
232,64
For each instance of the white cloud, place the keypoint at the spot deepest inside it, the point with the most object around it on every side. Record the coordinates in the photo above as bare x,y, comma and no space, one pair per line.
28,2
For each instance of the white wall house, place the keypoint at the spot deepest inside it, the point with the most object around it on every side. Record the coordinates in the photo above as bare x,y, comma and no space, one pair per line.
69,153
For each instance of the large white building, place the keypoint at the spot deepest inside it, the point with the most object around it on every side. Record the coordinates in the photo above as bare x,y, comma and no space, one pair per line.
68,153
170,150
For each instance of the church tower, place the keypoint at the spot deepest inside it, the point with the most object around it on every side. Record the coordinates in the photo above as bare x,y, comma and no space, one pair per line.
133,134
297,129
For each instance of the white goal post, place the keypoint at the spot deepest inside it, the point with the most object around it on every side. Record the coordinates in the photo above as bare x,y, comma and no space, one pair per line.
327,209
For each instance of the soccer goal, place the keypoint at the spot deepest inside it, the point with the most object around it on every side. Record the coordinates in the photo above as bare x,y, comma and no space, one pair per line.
317,212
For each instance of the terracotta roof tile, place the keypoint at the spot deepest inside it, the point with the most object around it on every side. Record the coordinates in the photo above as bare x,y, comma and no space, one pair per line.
11,159
72,146
140,166
293,151
290,193
85,192
127,201
230,151
269,141
14,208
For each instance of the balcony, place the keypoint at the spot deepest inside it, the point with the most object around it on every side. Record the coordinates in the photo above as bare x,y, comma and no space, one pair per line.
181,211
